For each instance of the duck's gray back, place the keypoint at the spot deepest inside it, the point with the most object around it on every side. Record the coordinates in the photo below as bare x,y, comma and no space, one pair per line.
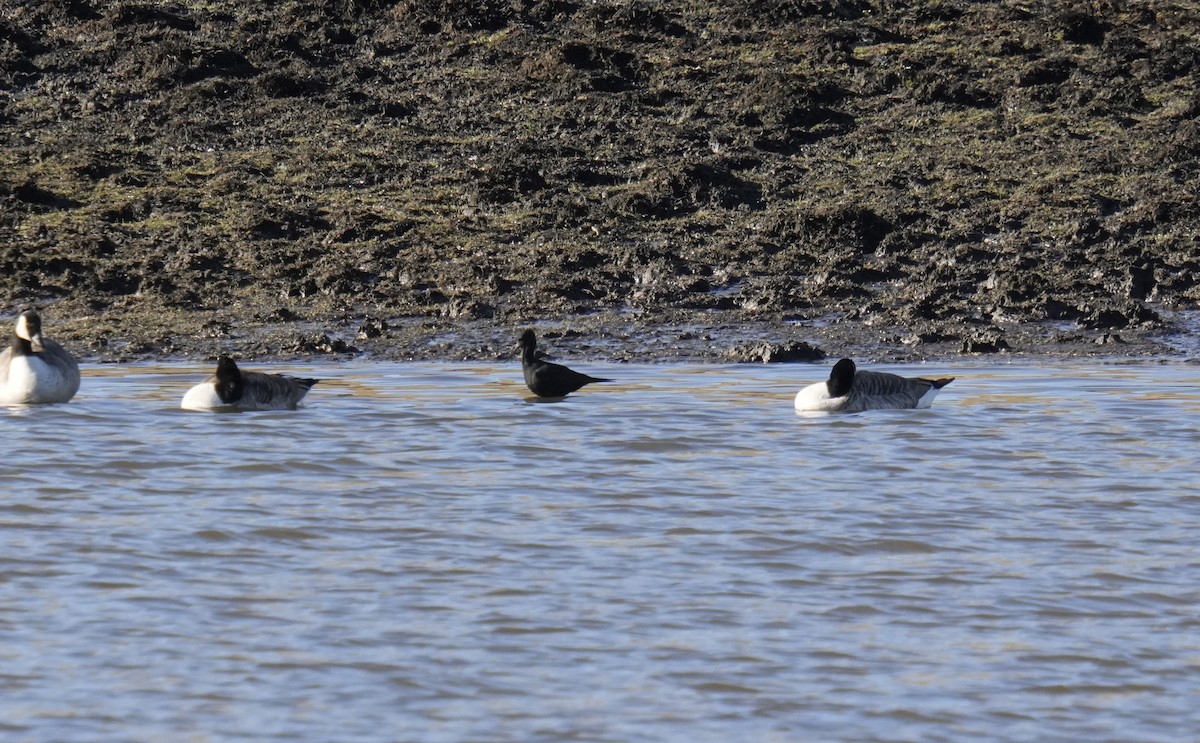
62,359
273,390
880,390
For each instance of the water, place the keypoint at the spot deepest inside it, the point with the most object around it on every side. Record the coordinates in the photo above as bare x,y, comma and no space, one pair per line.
421,555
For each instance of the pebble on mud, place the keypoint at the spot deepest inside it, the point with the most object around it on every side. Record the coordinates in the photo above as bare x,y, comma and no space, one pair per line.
317,343
371,327
773,353
983,344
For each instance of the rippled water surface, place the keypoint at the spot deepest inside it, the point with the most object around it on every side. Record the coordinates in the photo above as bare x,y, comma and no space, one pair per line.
422,555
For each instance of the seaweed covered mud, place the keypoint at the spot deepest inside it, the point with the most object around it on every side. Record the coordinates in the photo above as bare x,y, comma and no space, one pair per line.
768,180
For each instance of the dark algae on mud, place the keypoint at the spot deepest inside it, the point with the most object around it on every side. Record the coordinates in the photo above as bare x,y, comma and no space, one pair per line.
930,178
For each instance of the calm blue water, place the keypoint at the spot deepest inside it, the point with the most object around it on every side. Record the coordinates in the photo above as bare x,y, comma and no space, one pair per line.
421,555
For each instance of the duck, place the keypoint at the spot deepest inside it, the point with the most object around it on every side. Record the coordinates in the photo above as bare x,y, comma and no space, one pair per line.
546,379
35,369
232,388
849,390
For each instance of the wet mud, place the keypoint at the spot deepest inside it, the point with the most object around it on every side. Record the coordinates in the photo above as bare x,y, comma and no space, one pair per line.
775,180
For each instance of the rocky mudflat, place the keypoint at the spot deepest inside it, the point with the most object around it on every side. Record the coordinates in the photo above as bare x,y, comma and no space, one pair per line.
768,180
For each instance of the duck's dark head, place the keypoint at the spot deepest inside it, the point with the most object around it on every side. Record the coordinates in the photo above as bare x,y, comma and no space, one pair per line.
527,344
840,378
229,380
28,329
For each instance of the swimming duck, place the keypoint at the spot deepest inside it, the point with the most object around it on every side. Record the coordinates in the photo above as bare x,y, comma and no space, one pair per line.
544,378
851,391
35,369
230,387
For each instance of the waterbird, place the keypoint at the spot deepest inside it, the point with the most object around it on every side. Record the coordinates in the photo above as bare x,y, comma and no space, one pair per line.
230,387
35,369
851,391
546,379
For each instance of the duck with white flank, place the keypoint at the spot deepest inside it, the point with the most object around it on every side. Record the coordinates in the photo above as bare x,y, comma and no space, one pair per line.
851,391
233,388
545,379
35,369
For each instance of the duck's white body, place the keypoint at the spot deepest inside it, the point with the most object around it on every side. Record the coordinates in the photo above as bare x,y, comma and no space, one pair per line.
233,389
35,369
851,391
202,397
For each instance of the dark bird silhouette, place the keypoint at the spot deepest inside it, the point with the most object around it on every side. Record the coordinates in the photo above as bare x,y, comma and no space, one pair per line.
851,391
231,387
545,379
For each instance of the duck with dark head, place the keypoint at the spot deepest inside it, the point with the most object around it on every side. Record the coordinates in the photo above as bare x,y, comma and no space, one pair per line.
849,390
35,369
231,388
544,378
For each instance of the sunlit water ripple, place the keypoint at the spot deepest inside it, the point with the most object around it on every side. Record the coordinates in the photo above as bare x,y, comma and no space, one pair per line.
421,555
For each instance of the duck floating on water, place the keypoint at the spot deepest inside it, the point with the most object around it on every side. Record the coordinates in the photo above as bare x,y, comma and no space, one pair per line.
232,388
544,378
35,369
851,391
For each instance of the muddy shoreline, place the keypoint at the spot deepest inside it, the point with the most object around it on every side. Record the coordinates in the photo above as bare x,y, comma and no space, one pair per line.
714,338
639,180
